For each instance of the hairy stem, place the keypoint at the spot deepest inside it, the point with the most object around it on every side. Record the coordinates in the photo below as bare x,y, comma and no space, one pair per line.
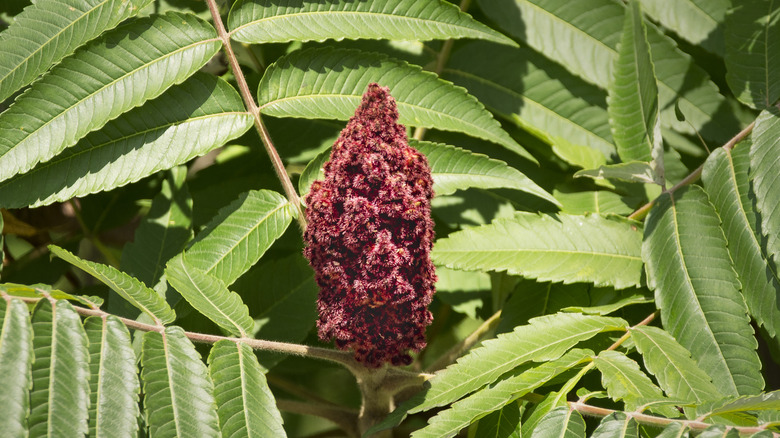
642,211
249,101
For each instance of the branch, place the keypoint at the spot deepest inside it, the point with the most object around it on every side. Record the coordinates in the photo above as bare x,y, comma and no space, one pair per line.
652,420
642,211
249,101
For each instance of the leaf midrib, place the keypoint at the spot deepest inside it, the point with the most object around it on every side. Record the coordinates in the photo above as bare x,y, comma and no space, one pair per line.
26,60
260,222
692,291
680,97
95,93
528,353
61,159
542,251
400,104
299,15
523,97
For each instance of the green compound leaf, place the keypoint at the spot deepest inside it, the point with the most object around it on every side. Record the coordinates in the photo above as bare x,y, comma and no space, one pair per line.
625,381
564,248
561,422
186,121
178,394
753,52
633,94
16,357
700,22
258,22
129,65
697,290
113,408
240,234
531,91
59,400
209,296
129,288
49,30
163,232
765,176
678,374
328,83
616,425
246,406
447,423
545,338
583,37
726,180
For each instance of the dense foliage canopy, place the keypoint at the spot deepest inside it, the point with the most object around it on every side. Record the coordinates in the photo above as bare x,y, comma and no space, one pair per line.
606,180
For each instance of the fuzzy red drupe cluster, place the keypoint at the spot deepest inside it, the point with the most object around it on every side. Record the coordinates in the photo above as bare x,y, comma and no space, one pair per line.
370,235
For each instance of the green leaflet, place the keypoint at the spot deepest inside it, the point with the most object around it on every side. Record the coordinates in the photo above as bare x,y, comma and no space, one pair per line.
246,406
186,121
561,248
326,83
179,396
16,357
447,423
583,37
254,21
561,422
697,290
616,425
633,95
210,296
121,70
761,402
599,201
678,374
501,423
765,176
59,400
163,232
633,171
753,52
452,169
625,381
129,288
725,177
38,290
545,338
522,86
240,234
697,21
113,408
49,30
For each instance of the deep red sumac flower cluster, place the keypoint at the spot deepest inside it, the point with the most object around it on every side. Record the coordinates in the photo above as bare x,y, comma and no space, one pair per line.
370,235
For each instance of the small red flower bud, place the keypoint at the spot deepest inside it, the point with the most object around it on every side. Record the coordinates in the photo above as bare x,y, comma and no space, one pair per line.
370,236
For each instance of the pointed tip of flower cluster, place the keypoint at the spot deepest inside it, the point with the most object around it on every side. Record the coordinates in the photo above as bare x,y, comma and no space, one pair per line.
370,235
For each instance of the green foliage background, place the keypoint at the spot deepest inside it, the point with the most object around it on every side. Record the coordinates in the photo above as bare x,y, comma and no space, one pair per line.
607,179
